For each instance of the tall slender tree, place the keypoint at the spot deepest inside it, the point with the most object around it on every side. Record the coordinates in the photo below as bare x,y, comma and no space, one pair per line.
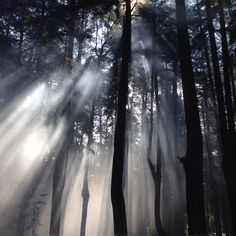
117,198
194,155
226,120
155,168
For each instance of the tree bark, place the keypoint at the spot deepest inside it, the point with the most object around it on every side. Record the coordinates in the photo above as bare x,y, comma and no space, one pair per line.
228,137
85,195
212,182
117,198
194,156
226,70
156,170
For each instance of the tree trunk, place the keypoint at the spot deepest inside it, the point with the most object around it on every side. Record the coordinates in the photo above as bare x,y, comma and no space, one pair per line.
117,198
71,28
216,71
157,176
85,195
228,138
156,169
175,103
226,70
194,156
212,182
59,177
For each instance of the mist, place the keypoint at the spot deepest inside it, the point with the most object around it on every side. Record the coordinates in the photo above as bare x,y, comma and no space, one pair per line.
117,118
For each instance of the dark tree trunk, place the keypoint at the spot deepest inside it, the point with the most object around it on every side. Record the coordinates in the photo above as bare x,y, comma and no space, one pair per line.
85,195
193,160
91,126
144,109
225,222
216,71
228,163
59,177
150,134
117,198
209,73
212,182
81,44
233,85
226,70
179,224
175,103
156,175
228,138
155,168
71,33
85,190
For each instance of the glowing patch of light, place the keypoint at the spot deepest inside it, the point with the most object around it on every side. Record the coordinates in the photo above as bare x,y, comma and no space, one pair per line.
33,145
33,101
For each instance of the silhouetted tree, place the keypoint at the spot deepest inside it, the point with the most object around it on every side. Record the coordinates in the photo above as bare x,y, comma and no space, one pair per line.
227,126
192,161
117,198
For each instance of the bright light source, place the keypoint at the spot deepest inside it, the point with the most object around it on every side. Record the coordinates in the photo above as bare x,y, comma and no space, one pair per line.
33,145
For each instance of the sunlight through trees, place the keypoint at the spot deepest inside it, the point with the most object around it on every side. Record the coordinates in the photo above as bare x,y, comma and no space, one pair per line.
117,117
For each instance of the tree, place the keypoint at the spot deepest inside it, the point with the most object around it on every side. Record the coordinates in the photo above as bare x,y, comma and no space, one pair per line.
117,198
227,127
192,161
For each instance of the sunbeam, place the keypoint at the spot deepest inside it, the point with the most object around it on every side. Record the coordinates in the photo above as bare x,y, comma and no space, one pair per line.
117,117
